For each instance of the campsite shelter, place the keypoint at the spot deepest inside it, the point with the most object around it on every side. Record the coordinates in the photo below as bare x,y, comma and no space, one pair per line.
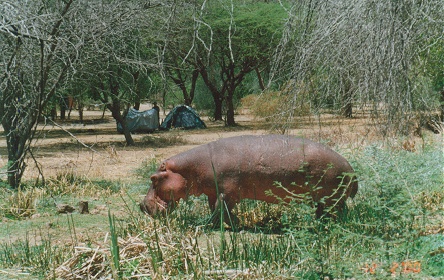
140,121
182,116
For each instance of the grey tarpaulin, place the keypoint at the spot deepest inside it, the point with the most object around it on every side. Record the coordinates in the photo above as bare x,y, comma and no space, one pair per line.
140,121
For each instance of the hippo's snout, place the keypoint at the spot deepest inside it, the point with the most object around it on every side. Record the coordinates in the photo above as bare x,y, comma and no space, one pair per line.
153,205
150,208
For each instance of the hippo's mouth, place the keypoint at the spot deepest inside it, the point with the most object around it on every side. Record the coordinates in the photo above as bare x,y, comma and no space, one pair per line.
154,206
161,205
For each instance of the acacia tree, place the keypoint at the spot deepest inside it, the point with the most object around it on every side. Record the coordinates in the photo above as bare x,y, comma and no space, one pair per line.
360,51
178,39
243,36
116,58
221,42
38,49
44,43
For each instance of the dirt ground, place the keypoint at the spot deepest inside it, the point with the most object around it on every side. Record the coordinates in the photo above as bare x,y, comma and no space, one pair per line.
95,149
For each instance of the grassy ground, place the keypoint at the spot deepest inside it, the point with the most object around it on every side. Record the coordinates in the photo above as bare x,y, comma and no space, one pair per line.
393,228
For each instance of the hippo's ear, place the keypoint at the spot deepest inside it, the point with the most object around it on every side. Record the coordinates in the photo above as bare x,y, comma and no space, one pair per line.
162,166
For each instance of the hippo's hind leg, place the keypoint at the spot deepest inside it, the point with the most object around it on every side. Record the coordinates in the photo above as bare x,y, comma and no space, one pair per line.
227,205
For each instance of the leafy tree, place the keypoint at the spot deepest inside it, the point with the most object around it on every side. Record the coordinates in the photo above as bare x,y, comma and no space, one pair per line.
178,32
221,42
243,36
434,66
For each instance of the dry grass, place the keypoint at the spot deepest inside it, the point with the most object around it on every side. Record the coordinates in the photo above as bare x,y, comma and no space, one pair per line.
22,203
94,262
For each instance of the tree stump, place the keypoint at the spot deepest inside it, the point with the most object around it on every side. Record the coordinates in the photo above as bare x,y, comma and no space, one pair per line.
83,207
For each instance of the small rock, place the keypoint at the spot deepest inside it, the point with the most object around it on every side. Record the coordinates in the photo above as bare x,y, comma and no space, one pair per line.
64,208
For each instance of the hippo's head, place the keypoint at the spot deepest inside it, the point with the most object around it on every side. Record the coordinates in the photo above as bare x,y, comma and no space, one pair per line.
167,187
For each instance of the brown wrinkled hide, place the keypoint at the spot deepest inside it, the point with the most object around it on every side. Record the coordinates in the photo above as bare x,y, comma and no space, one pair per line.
249,167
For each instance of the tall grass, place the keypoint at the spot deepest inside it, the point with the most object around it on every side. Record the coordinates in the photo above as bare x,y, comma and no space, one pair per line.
29,255
115,254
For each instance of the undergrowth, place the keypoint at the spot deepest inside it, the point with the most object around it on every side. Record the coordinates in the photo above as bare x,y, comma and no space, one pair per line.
392,228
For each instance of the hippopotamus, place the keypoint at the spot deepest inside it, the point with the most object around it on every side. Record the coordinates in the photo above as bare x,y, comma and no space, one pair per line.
271,168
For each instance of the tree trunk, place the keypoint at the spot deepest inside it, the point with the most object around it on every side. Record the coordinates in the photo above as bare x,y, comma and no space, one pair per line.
137,105
259,77
103,112
128,138
63,107
347,108
53,112
70,104
19,132
115,109
347,99
230,111
80,109
231,85
218,97
218,108
193,86
115,112
16,164
181,83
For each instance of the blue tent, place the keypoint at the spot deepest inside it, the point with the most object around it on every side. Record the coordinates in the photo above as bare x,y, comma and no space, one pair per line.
182,116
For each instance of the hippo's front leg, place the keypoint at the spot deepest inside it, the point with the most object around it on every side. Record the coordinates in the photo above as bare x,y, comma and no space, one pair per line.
227,205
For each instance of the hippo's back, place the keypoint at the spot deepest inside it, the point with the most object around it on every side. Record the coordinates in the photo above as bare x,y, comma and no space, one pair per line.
276,152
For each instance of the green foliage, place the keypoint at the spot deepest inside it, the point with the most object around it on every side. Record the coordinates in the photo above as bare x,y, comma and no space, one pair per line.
249,30
398,181
203,100
435,64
